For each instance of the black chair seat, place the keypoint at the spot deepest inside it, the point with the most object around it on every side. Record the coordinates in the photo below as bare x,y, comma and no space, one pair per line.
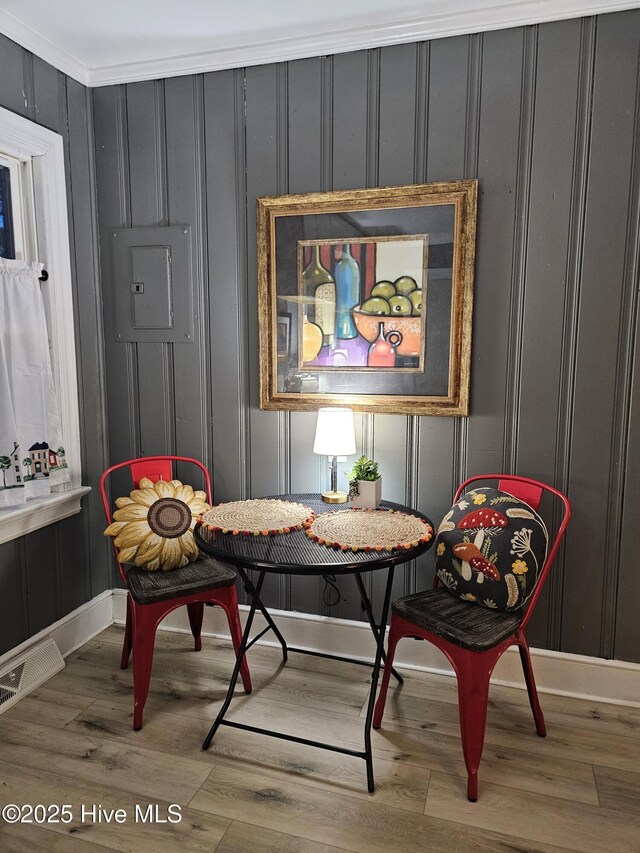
203,574
461,622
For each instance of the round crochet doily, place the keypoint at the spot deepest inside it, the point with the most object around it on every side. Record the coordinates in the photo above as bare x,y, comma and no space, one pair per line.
258,517
369,530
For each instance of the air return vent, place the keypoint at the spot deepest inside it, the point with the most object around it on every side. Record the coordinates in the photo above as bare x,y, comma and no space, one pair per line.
27,671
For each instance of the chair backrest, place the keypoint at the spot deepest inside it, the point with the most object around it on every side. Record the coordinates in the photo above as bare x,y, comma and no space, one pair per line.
154,468
531,492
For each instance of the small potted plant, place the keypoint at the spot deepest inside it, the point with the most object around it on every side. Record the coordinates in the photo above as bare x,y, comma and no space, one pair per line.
365,484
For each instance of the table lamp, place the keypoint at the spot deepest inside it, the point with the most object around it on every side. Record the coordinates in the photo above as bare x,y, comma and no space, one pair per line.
335,436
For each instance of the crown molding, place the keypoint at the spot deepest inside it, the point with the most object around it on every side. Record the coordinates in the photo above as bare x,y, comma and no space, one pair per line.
27,37
456,17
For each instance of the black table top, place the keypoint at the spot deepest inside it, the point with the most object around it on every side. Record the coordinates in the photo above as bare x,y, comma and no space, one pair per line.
296,553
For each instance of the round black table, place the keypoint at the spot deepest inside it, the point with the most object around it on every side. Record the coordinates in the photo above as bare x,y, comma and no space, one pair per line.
296,553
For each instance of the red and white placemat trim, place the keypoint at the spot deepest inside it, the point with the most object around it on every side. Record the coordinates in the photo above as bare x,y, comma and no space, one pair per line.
261,517
369,530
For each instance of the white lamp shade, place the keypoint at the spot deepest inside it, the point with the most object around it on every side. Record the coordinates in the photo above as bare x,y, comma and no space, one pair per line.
335,433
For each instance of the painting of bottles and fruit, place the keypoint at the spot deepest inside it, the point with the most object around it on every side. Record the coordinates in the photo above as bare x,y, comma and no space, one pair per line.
365,298
362,303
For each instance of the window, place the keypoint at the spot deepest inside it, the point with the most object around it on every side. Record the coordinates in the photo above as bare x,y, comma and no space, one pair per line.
34,226
7,244
17,222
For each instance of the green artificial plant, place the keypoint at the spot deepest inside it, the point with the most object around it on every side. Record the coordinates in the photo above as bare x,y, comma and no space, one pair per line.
363,469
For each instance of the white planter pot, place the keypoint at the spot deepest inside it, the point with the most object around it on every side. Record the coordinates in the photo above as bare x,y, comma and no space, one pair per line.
370,494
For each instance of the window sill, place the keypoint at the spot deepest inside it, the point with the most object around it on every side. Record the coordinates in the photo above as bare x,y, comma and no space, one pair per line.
39,513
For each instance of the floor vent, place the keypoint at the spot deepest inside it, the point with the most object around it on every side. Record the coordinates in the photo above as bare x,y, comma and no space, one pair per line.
27,671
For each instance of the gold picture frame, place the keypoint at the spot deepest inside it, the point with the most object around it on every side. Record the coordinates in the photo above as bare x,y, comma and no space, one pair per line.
378,285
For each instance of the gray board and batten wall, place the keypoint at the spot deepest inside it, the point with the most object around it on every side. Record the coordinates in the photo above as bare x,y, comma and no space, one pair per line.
49,573
547,118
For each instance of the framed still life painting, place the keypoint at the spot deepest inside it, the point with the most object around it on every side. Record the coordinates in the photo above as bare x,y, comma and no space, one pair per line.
365,298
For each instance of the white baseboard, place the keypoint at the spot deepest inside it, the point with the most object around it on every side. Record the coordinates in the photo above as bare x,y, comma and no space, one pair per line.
73,630
598,680
578,676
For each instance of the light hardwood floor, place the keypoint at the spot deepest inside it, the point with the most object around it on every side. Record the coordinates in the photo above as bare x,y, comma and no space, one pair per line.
71,742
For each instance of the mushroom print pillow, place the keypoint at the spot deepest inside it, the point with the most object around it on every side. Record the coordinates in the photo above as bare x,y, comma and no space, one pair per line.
490,549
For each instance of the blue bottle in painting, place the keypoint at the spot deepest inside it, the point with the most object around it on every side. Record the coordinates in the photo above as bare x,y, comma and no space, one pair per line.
347,278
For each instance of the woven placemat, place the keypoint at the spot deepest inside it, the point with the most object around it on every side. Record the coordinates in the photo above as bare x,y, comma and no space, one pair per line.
369,530
263,517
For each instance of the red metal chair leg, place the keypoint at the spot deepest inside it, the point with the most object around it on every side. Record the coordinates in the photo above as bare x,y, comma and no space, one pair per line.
146,618
473,670
394,636
525,657
228,599
128,643
196,614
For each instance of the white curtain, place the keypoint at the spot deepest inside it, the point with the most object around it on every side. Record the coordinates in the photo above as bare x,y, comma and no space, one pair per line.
32,454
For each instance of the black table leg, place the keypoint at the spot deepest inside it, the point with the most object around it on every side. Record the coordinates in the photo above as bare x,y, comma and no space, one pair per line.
255,598
260,606
374,679
372,623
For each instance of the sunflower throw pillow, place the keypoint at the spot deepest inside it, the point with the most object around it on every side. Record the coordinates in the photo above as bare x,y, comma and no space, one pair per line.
153,526
490,549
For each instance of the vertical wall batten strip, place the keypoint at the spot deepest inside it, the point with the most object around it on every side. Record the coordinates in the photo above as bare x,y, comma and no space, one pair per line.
421,113
513,376
29,91
373,117
133,387
326,124
126,219
575,243
185,183
124,168
459,467
160,139
23,588
80,188
474,89
373,180
419,177
623,396
93,403
282,180
169,396
411,488
240,139
201,270
284,418
162,201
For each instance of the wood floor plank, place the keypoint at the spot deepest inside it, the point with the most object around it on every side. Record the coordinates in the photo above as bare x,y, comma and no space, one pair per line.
334,819
618,790
270,679
534,818
423,746
244,837
97,759
511,726
38,839
398,784
524,769
51,707
196,833
72,741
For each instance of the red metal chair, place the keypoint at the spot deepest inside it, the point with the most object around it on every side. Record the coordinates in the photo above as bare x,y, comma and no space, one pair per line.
152,595
473,638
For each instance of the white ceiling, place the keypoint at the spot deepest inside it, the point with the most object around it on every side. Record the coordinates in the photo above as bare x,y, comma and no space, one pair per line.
100,42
